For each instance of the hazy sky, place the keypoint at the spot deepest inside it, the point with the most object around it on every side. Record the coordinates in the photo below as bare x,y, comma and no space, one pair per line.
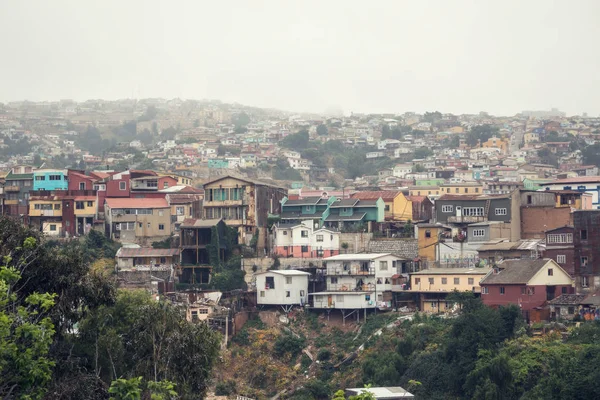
362,56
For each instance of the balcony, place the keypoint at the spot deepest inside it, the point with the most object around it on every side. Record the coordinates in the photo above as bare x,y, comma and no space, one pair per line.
12,188
466,219
351,271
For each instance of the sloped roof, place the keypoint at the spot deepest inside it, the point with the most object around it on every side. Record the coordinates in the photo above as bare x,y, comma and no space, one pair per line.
570,299
405,248
181,198
307,201
136,203
199,223
386,195
515,272
592,299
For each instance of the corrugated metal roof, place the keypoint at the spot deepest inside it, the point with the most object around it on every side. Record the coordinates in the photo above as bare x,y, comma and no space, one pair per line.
356,257
386,195
286,272
515,272
137,203
199,223
146,252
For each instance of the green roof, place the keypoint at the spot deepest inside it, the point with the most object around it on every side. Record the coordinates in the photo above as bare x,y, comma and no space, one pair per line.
16,177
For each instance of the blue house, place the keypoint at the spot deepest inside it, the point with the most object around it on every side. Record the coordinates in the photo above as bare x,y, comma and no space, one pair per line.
309,208
50,179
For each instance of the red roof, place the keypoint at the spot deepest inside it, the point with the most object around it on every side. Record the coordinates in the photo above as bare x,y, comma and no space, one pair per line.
137,203
386,195
416,199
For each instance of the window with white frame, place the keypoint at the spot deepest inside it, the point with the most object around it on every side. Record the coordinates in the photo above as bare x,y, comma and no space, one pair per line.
478,232
383,265
122,185
472,211
319,238
561,258
180,210
447,208
559,238
500,211
304,234
288,280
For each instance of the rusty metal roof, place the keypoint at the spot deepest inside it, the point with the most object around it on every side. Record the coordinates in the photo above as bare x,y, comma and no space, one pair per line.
146,252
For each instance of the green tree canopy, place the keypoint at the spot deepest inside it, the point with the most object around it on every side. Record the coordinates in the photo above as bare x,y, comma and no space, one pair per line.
296,141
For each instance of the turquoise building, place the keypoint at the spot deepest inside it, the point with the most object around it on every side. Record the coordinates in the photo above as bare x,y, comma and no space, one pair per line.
50,179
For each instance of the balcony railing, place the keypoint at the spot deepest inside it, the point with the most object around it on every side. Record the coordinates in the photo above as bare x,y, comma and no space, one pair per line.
12,188
155,267
351,271
469,219
340,287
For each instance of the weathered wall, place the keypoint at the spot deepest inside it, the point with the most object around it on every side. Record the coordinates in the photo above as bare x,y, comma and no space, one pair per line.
536,220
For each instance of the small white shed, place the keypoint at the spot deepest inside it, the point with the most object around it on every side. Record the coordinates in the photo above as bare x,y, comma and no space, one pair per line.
282,287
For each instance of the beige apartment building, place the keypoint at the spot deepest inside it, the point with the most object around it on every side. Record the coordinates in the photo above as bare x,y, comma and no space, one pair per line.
141,221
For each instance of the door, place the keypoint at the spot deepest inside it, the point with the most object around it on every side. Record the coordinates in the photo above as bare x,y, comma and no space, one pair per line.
458,211
329,301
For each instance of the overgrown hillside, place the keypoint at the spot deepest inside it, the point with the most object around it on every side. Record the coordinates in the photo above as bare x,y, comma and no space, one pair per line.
482,353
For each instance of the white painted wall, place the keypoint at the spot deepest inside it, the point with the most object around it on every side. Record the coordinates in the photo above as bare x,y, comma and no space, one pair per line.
296,285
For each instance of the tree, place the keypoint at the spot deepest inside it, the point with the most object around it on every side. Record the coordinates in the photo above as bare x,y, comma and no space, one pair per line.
296,141
418,168
139,337
547,157
26,330
432,116
423,152
322,130
591,154
480,134
148,115
241,119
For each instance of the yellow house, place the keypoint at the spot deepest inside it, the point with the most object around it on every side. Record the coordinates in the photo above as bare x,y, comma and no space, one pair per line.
397,206
428,237
434,285
181,180
497,143
45,213
462,188
424,191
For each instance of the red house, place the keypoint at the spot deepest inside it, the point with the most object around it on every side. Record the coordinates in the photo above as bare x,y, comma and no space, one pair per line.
526,283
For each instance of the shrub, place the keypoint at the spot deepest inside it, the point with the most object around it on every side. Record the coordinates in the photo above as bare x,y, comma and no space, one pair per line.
324,355
305,362
288,344
225,388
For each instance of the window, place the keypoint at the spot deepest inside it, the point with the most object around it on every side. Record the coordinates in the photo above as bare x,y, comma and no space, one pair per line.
448,208
529,199
81,185
530,291
484,290
304,234
476,190
444,281
339,298
472,211
433,304
550,272
417,281
149,225
287,293
55,178
262,293
559,238
179,210
584,234
367,297
466,190
387,207
456,190
584,281
284,233
270,282
152,183
319,238
160,212
563,290
40,178
90,204
161,227
53,227
302,293
203,310
304,249
79,205
140,225
122,185
571,310
500,211
288,280
427,233
478,232
584,261
383,265
471,281
502,291
523,290
166,185
334,280
457,281
431,281
57,206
